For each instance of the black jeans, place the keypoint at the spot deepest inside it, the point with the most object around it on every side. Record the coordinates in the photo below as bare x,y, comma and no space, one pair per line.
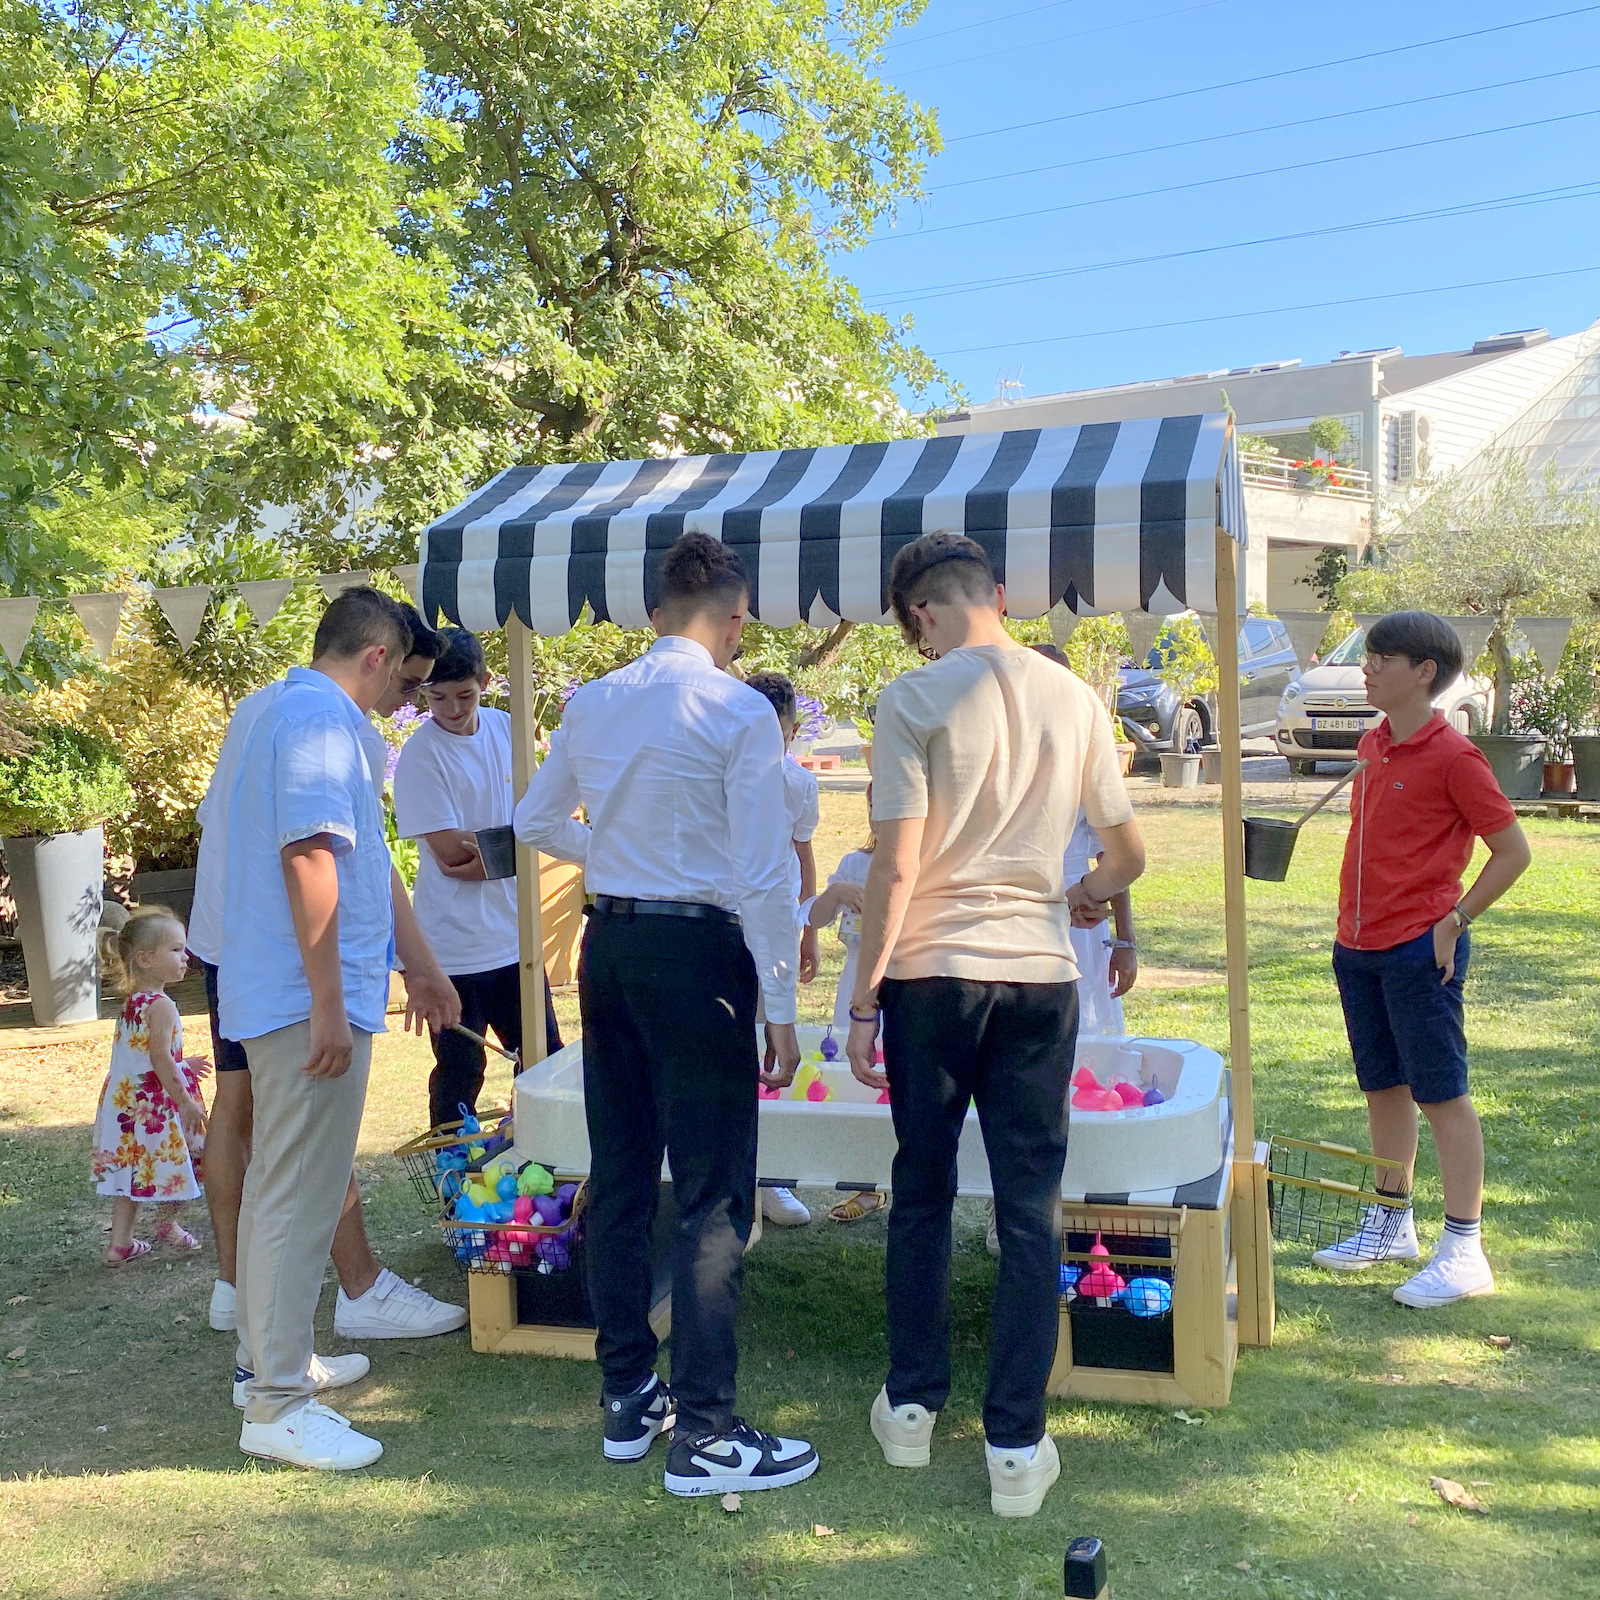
669,1062
1009,1047
490,1001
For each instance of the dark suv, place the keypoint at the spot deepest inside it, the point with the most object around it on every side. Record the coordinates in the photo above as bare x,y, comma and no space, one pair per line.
1156,719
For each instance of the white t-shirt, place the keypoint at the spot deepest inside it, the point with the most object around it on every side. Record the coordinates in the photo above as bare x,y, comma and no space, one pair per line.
852,869
804,807
449,780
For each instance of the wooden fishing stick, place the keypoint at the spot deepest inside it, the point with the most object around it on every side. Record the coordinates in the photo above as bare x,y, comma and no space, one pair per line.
1311,810
478,1038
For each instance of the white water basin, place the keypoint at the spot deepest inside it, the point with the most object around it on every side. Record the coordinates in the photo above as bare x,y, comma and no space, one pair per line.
848,1138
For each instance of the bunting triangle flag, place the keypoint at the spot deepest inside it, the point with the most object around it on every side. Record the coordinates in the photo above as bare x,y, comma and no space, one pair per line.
334,583
1548,637
406,577
99,614
1365,619
1062,620
185,610
1208,626
1143,631
1305,630
16,624
1473,632
264,597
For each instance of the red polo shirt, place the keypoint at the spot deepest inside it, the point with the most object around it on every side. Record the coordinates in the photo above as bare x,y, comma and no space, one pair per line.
1413,816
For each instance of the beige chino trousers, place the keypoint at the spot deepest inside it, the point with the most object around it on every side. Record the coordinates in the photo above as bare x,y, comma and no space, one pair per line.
302,1148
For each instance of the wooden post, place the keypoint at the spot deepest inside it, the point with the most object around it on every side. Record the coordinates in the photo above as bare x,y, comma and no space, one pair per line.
1227,652
530,930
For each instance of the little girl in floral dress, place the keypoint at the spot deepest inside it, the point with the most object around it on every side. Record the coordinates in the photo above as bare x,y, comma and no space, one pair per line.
150,1128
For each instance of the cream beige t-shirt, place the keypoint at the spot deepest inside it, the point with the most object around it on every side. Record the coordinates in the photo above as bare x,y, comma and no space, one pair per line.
998,748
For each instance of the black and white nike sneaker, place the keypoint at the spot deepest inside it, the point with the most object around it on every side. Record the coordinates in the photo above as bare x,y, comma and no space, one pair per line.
633,1420
742,1459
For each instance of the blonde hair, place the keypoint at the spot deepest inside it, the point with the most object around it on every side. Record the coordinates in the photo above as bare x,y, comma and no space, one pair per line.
120,945
872,838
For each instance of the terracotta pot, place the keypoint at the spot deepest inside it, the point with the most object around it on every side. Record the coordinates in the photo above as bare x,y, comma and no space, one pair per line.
1127,752
1559,777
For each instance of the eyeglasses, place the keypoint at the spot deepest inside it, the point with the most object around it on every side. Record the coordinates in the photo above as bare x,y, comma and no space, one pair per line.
1373,662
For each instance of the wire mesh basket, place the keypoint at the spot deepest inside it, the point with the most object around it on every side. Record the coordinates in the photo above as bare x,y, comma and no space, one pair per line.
427,1157
1119,1270
1319,1194
507,1247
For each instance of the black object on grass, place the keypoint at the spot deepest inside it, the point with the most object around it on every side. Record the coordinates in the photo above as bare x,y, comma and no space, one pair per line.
1084,1570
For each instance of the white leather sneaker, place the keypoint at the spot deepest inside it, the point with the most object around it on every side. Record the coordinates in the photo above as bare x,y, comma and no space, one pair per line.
312,1437
1383,1234
991,1237
395,1309
325,1372
1020,1479
904,1432
1458,1274
224,1312
783,1209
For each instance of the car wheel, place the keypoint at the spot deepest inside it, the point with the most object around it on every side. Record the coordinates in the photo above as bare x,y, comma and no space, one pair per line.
1189,728
1302,769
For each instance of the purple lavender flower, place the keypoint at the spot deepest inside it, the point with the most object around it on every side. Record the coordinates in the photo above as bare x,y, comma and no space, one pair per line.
573,686
811,720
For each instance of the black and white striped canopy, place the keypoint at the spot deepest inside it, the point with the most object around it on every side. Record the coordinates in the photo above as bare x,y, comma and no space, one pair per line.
1110,516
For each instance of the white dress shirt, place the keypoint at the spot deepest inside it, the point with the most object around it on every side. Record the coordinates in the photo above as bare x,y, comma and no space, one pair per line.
680,767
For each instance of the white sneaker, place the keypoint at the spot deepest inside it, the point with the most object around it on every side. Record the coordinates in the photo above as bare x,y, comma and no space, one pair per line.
314,1437
991,1240
325,1372
782,1209
1020,1479
395,1309
1452,1275
1384,1234
905,1432
224,1313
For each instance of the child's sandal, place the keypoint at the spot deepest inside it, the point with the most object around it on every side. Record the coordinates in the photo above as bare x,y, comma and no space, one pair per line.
119,1255
866,1204
176,1237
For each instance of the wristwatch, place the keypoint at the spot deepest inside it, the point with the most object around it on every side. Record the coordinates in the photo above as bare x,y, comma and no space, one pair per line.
1463,921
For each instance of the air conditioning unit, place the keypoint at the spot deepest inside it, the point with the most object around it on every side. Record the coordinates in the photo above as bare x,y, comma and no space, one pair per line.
1412,445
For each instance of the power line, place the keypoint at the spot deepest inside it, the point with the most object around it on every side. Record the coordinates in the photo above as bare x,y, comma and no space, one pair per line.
1509,202
1268,311
983,22
1063,38
1232,177
1271,127
1269,77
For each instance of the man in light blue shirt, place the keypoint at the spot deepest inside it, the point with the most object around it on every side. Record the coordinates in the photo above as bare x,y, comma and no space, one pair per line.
307,945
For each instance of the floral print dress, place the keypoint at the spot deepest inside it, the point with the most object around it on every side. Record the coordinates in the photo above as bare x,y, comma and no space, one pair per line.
139,1146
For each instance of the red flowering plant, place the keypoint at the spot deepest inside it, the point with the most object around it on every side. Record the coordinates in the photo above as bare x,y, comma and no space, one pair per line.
1324,472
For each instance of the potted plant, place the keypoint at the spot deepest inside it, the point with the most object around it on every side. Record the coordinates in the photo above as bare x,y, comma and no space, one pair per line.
54,796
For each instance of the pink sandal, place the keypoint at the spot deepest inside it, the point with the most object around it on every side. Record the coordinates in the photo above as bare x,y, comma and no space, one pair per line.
177,1237
119,1255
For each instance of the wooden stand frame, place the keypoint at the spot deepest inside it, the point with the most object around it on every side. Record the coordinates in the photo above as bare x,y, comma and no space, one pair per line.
492,1303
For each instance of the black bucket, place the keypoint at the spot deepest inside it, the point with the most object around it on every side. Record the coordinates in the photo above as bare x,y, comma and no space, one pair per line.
1268,847
498,847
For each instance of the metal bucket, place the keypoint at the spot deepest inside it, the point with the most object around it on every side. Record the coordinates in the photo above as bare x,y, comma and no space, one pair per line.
498,847
1268,847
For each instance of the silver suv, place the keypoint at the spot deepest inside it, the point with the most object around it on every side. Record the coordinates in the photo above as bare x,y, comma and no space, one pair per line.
1322,716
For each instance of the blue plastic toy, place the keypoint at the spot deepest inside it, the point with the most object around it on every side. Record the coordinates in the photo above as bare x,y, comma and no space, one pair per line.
1147,1297
829,1047
469,1123
1070,1273
506,1188
1154,1097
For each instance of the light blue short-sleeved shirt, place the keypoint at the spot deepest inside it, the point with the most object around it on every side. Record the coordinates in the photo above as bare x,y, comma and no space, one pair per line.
303,771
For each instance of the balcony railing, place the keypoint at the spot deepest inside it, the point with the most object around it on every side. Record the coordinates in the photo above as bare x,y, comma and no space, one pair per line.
1271,472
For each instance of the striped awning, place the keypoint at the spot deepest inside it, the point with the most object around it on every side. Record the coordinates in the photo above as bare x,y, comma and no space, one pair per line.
1110,516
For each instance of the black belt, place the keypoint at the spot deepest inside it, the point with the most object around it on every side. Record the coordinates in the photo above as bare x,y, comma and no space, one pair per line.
610,905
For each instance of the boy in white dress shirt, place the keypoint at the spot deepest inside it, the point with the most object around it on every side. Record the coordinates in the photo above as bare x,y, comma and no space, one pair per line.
783,1207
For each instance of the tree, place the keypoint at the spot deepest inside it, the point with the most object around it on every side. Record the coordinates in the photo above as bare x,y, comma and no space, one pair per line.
1504,546
638,199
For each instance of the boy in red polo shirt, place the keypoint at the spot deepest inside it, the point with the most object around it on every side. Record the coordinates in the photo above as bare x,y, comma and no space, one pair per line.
1402,950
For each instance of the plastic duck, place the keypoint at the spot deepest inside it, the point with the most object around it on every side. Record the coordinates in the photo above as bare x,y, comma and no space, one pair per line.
829,1047
1130,1093
1154,1097
1101,1283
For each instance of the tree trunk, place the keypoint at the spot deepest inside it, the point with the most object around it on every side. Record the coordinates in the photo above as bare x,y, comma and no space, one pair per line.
820,655
1500,652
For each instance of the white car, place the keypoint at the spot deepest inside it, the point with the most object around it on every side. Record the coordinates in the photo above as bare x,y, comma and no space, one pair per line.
1322,715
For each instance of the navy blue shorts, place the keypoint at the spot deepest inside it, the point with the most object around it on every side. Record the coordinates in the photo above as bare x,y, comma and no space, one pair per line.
1405,1025
229,1053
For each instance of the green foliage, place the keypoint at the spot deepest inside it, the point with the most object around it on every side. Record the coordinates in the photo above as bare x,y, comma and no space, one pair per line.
1328,435
66,780
637,199
1327,573
1187,663
1564,703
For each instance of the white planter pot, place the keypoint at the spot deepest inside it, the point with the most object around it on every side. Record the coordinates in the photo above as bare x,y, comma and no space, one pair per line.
58,882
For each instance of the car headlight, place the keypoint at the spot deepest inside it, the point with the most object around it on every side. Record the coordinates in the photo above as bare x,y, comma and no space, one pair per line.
1293,692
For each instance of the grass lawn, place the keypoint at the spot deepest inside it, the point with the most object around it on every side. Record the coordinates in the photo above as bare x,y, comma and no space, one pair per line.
119,1474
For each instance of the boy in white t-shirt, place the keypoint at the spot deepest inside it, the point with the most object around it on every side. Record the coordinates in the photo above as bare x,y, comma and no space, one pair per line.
800,796
453,778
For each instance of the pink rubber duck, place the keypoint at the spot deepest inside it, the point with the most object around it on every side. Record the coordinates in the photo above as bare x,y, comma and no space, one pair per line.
1101,1281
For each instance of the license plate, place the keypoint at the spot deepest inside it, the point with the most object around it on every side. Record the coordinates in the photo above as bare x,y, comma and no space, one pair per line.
1338,725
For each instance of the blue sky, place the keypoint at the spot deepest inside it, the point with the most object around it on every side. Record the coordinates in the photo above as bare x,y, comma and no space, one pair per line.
989,65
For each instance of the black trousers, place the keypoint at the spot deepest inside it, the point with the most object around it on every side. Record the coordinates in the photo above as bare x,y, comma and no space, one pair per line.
490,1002
1009,1047
669,1062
